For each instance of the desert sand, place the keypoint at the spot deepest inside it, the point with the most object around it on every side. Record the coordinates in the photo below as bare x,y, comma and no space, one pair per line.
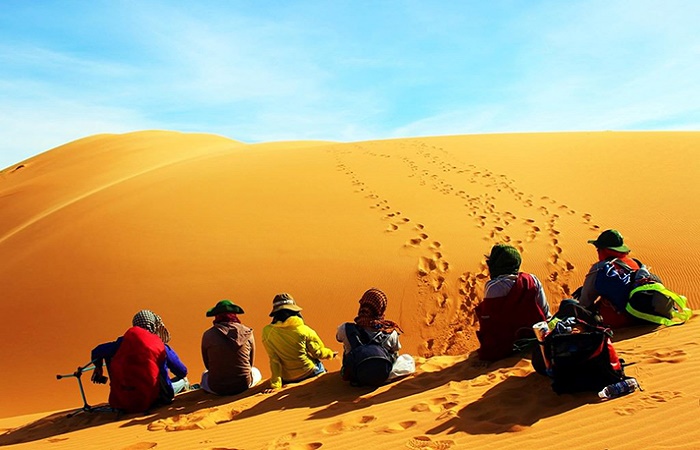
93,231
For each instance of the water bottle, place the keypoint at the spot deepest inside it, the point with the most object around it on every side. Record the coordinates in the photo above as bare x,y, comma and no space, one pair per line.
619,389
541,329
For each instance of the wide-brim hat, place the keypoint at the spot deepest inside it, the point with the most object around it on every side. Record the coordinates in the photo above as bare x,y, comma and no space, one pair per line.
611,239
284,301
224,306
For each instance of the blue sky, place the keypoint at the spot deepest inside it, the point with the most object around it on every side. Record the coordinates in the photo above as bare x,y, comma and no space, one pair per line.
259,71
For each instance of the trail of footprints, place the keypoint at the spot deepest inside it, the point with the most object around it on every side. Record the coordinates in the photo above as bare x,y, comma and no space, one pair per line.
430,167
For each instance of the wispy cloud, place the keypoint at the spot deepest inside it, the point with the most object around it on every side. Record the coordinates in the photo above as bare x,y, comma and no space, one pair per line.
344,71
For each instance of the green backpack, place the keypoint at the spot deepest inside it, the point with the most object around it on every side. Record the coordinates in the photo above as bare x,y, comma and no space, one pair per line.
650,300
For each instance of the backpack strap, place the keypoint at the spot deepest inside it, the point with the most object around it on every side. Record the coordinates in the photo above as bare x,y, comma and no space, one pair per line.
355,335
679,314
380,338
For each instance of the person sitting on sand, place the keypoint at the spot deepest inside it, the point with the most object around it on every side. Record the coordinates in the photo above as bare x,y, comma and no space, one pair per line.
294,349
228,351
373,327
513,302
611,247
138,363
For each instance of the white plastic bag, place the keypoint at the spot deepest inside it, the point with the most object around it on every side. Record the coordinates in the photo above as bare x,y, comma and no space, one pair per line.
404,365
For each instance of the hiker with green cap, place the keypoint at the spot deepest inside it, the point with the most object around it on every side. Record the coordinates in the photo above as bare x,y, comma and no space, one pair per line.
513,302
614,264
228,352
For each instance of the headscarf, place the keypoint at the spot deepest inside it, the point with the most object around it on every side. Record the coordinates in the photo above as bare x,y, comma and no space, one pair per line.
371,314
606,253
148,320
226,317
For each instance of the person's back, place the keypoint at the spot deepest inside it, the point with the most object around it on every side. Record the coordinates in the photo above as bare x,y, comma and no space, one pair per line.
513,302
287,340
371,327
134,371
610,247
138,363
227,351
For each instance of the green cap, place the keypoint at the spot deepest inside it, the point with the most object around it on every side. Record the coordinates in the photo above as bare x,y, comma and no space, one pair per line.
503,260
224,306
611,239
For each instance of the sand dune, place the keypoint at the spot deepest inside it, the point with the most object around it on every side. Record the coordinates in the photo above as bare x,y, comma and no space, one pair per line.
94,230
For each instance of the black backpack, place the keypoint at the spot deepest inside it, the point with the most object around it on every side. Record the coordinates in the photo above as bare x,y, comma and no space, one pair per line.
368,363
578,361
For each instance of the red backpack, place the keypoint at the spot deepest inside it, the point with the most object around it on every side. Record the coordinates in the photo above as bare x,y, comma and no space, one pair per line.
134,371
503,320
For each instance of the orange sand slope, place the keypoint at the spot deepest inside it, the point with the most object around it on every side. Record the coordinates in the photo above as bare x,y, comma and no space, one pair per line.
95,230
448,403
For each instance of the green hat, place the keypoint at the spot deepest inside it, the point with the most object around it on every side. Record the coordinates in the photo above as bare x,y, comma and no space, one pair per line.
504,259
225,306
611,239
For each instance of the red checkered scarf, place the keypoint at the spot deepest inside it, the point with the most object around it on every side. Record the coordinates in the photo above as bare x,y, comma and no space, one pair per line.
371,313
226,317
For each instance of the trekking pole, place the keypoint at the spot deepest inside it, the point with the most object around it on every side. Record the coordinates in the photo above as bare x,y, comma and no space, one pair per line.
78,375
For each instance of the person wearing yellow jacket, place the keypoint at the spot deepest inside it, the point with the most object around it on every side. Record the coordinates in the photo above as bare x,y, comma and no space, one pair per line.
295,350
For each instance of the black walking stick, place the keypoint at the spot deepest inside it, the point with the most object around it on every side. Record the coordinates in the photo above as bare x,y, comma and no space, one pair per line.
86,407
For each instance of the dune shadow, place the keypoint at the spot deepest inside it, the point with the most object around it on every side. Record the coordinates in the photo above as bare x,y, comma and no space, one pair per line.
511,406
464,370
631,332
60,423
190,403
56,424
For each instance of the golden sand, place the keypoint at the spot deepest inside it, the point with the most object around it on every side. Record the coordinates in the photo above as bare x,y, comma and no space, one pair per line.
97,229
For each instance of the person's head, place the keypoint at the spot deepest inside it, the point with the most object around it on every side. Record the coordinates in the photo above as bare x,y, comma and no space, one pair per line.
150,321
610,244
503,260
225,311
373,304
371,313
283,307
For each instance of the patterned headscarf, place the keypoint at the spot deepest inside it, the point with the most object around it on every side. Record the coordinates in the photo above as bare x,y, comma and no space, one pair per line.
148,320
371,314
226,317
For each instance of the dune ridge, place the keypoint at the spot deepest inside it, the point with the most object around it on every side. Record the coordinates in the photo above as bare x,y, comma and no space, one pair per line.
98,228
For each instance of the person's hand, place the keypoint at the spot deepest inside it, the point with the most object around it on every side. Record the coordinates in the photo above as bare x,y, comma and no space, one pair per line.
269,391
97,376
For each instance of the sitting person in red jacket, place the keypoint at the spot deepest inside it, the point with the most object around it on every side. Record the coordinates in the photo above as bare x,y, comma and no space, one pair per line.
513,302
138,363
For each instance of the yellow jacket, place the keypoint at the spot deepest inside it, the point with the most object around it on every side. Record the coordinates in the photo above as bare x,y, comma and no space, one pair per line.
293,348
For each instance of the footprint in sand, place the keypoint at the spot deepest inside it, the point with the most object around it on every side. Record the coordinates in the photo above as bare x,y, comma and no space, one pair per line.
426,265
199,420
397,427
420,442
285,442
141,446
647,400
437,405
665,356
343,426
